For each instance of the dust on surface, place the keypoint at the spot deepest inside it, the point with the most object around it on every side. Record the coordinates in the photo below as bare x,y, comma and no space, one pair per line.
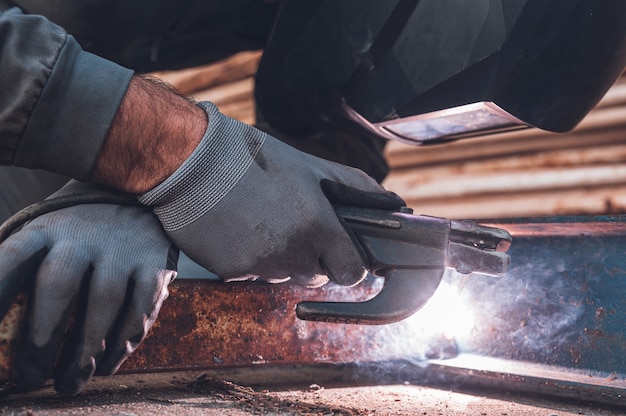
199,393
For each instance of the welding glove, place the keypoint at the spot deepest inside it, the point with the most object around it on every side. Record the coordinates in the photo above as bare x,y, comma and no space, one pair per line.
246,206
98,271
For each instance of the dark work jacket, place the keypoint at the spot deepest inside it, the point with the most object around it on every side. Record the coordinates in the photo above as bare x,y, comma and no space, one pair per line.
57,101
60,91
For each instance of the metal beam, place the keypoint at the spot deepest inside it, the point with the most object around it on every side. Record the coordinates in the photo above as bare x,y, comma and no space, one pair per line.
558,318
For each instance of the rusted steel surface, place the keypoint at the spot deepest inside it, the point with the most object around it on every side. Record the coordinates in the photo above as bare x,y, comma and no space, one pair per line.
207,324
575,226
8,332
561,305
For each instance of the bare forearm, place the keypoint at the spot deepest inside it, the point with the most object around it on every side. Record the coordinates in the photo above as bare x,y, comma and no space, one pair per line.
154,131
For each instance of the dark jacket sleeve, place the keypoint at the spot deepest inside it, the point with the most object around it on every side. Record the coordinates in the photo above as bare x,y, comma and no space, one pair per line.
56,100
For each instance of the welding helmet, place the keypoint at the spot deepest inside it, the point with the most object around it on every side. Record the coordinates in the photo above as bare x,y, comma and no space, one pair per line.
423,71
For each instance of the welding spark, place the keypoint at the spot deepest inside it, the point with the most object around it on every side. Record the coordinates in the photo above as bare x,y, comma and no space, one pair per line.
448,313
433,332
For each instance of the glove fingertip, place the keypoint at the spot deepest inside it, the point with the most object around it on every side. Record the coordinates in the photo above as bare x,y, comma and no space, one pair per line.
339,193
114,358
396,199
29,377
73,380
344,273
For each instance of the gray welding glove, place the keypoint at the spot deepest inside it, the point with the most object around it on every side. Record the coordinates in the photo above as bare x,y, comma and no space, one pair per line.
246,206
96,276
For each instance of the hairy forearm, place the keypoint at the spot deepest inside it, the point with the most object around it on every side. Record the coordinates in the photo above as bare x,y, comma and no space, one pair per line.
154,131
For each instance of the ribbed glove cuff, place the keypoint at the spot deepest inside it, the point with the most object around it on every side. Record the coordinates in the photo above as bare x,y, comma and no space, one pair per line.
223,156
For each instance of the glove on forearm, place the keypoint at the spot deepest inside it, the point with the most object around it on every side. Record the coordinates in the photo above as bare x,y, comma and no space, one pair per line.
107,266
245,205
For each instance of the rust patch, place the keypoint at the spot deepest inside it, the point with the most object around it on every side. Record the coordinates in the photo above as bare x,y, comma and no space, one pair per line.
211,324
8,334
207,324
566,229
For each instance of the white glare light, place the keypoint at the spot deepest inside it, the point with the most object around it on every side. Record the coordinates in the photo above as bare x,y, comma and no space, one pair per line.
447,313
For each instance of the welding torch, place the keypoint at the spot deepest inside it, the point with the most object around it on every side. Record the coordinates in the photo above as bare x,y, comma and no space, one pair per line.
411,252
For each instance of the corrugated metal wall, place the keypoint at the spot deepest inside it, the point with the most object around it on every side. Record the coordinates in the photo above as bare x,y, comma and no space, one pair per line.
522,173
